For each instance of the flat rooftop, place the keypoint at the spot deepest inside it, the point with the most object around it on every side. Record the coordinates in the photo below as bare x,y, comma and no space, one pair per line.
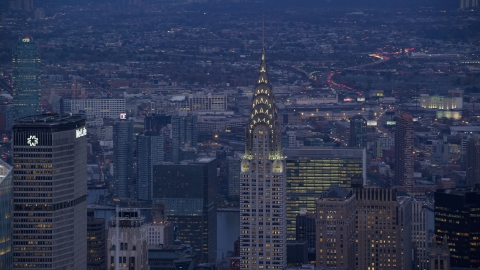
50,119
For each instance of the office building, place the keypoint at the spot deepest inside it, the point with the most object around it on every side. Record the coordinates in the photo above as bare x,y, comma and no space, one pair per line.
313,170
26,79
149,153
263,182
159,231
125,244
441,103
94,107
50,190
171,257
95,242
404,156
207,102
384,234
233,174
188,191
306,228
155,122
420,234
6,212
184,133
336,229
457,217
473,161
439,257
123,157
358,132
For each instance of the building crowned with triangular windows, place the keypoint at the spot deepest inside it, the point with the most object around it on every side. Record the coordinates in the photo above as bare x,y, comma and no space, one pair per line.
262,183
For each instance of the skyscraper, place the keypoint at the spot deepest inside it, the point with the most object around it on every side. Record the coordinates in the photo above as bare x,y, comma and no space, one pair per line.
149,152
233,174
262,181
95,242
404,156
420,235
184,133
457,217
50,208
26,79
358,132
473,161
188,191
6,214
123,157
313,170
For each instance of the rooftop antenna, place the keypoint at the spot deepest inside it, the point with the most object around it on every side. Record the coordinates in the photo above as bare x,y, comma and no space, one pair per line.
263,37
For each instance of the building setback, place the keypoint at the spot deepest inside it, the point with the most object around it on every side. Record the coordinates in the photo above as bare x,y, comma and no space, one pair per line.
50,208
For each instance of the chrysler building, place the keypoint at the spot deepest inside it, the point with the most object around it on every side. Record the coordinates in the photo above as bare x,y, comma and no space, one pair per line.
262,180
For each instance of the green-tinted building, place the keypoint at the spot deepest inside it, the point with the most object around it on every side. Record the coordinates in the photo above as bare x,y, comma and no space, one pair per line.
314,170
26,79
188,191
6,212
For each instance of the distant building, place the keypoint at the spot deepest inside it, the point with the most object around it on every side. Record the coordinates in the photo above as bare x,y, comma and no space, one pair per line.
420,234
387,217
473,161
50,190
123,157
439,255
26,79
313,170
6,117
440,153
457,217
94,108
442,103
6,212
404,156
233,174
155,122
171,257
335,245
297,253
96,242
188,191
209,102
358,132
149,153
305,228
159,231
184,133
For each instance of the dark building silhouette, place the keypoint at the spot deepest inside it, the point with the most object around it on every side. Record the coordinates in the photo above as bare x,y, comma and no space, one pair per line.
149,153
26,79
155,122
188,191
404,156
358,132
123,157
184,134
95,242
6,214
305,228
457,216
171,257
473,162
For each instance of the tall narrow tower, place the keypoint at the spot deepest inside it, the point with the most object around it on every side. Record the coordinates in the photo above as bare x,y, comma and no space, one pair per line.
404,156
262,182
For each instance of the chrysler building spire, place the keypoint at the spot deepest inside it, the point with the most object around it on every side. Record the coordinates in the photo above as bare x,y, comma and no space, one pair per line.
262,178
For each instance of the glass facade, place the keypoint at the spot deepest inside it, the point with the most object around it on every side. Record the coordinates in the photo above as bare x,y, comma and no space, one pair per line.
6,213
123,157
312,171
26,79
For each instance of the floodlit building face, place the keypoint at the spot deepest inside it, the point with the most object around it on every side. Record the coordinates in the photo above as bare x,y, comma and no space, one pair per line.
442,103
313,170
50,187
26,79
262,183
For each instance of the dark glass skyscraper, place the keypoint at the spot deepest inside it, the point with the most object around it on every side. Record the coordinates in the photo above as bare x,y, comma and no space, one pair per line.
6,214
358,132
26,79
188,191
123,157
184,133
473,161
149,152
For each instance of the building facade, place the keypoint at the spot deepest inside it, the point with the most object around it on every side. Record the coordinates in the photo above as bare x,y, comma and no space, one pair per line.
95,242
439,258
457,217
233,174
94,107
184,133
473,161
262,180
404,156
188,191
420,234
149,153
208,102
123,157
336,229
384,223
6,212
26,79
50,208
313,170
358,132
171,257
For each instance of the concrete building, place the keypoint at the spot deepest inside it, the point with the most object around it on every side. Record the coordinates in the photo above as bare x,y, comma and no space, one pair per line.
207,102
384,231
263,182
336,229
420,234
125,244
184,133
6,212
26,79
159,231
96,242
188,191
457,217
50,224
313,170
404,158
149,153
94,108
123,157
